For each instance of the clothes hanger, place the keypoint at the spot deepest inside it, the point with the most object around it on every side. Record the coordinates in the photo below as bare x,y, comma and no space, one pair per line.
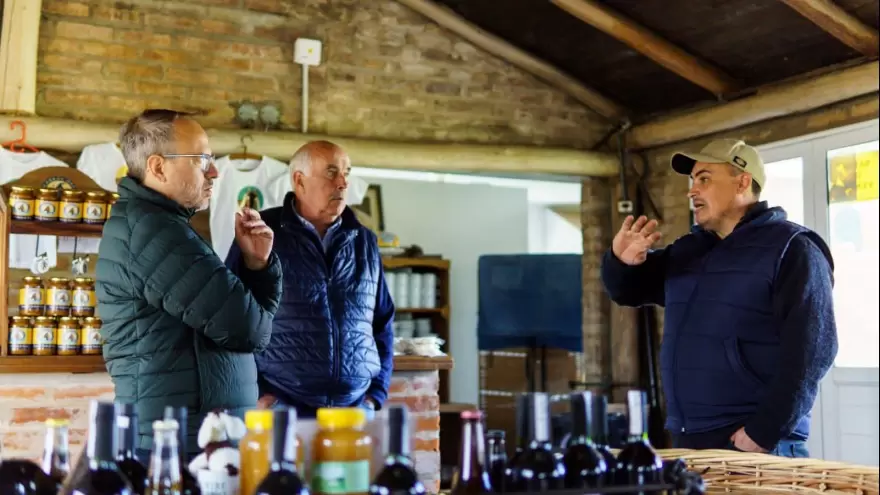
20,144
244,155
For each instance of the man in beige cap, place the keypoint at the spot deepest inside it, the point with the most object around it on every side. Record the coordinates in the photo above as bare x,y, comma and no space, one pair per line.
749,326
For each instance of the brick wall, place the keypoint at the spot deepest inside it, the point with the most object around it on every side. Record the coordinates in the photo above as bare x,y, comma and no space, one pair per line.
26,401
387,72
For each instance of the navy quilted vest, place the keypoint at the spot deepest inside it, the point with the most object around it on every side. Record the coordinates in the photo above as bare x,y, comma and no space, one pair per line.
721,340
322,351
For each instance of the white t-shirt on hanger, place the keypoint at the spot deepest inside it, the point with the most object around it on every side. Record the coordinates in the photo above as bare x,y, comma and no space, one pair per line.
23,248
262,182
105,165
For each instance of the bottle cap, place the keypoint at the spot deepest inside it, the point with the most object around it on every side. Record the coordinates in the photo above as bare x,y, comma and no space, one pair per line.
341,417
57,422
258,419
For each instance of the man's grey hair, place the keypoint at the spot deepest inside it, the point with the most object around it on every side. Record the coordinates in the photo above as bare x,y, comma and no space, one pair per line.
302,159
150,133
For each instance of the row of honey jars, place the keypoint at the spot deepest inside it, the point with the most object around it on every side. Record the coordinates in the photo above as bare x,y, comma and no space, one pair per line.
50,336
61,205
57,297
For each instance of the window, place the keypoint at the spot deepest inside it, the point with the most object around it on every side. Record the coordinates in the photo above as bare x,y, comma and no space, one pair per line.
785,187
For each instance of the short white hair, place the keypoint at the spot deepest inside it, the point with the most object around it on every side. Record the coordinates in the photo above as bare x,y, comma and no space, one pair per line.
150,133
301,161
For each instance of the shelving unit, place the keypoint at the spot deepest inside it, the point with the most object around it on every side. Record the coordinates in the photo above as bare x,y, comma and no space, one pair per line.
67,178
439,315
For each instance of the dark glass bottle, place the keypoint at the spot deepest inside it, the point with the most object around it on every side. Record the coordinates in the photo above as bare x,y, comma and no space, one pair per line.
639,464
24,477
398,476
131,467
181,416
56,454
497,448
599,433
283,478
584,465
471,475
103,476
536,468
164,474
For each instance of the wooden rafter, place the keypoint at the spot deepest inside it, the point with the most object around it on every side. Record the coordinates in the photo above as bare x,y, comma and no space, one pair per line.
18,56
770,102
650,45
505,51
840,24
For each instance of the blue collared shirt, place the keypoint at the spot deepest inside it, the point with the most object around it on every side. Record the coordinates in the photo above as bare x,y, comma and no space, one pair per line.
327,240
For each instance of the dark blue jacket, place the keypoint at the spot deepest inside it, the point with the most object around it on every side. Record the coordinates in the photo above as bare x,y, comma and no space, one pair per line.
749,326
332,338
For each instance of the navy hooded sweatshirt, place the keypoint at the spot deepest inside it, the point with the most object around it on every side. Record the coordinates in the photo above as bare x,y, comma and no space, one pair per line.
749,328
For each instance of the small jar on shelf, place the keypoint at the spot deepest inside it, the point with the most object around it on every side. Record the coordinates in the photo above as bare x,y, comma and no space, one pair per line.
95,207
45,336
21,336
47,205
71,210
21,203
69,341
83,297
58,297
31,297
91,335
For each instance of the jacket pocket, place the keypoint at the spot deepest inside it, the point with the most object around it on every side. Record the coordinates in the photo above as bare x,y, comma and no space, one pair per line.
738,364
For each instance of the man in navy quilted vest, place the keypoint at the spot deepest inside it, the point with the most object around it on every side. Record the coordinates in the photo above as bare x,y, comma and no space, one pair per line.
749,327
332,341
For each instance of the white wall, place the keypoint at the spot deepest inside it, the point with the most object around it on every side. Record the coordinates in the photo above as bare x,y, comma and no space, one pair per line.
460,222
550,233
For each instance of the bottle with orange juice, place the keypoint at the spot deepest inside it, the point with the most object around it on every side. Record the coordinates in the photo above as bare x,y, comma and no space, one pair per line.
254,449
341,452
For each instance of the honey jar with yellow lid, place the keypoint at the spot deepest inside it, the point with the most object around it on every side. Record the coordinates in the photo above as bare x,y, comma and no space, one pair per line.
47,204
45,336
69,339
83,297
31,297
95,207
21,336
58,296
91,335
71,210
21,202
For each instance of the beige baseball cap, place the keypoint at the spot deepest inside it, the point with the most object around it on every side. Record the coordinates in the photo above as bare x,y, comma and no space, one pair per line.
731,151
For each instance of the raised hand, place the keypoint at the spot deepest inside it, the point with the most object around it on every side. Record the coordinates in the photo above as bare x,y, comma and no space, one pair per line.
634,239
254,238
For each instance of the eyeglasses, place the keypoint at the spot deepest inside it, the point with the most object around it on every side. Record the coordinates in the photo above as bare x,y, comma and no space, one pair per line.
205,160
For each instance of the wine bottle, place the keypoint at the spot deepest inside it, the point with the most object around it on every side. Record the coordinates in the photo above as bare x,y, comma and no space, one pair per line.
497,447
103,476
584,465
131,467
181,416
56,456
639,463
24,477
283,478
397,476
471,475
164,476
537,468
599,433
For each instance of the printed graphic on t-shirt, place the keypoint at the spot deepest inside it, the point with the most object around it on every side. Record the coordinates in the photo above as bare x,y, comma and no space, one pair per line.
250,197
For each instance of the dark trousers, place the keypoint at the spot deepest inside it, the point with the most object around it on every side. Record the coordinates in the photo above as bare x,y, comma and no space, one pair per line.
720,439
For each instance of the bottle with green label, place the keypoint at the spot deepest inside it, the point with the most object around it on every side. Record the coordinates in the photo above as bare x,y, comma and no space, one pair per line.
341,452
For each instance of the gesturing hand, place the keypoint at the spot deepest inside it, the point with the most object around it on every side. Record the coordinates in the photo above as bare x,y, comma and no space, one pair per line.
254,238
634,239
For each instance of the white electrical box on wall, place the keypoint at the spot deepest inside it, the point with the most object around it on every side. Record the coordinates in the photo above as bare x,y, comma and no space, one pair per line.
307,51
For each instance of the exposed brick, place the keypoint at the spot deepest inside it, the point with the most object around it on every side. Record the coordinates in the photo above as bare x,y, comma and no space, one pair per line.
80,30
119,12
427,445
26,393
83,392
41,414
428,424
66,7
144,38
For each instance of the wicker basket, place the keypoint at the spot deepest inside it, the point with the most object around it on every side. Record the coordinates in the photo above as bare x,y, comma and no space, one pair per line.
741,472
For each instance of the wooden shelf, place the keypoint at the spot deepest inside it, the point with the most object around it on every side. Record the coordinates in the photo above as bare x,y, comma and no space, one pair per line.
444,311
56,228
422,363
53,364
392,262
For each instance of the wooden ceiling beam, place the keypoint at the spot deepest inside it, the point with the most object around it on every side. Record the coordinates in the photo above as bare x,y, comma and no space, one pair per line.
769,102
840,24
500,48
18,56
650,45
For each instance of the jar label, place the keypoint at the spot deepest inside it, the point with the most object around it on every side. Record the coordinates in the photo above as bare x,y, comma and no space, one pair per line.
71,211
91,339
58,298
20,337
44,337
68,338
30,297
83,298
341,477
94,212
22,208
47,209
